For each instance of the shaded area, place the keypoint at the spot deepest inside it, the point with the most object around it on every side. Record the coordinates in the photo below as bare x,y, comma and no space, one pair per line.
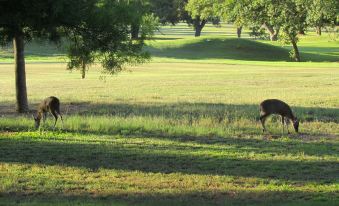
233,48
228,48
187,198
195,111
36,49
202,48
148,157
165,38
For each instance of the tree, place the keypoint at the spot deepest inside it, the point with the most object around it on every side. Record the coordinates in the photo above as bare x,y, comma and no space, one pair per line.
231,11
322,13
20,21
168,11
266,14
105,39
138,9
201,11
290,27
98,30
275,16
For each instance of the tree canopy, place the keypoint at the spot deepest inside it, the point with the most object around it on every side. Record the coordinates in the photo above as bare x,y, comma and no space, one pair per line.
97,30
104,37
322,13
201,11
290,17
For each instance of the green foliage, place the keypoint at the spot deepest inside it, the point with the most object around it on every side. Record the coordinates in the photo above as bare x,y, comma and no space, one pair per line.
149,24
258,32
201,8
169,11
322,12
96,30
231,11
104,37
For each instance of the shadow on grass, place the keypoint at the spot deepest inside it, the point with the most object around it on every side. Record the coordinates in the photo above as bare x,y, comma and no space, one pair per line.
37,49
184,198
195,111
156,158
165,38
234,48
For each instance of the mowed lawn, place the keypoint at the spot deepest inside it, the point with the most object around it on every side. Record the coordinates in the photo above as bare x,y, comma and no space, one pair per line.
177,131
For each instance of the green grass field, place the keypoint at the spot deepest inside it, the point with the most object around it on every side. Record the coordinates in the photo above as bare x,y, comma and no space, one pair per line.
180,130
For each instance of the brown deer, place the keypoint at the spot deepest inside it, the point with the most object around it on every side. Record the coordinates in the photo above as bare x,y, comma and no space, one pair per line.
50,104
275,106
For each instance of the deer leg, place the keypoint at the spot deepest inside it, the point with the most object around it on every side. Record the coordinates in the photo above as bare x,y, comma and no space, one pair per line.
283,124
262,120
287,121
44,117
62,121
55,116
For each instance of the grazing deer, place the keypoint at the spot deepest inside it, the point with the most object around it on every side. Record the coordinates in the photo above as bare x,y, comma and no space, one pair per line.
275,106
50,104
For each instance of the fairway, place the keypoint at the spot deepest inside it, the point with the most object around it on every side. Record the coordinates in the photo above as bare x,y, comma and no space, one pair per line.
182,129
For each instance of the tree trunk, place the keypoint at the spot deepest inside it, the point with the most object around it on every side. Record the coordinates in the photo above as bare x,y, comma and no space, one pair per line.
197,31
318,29
273,33
20,74
296,51
135,31
83,70
239,29
198,26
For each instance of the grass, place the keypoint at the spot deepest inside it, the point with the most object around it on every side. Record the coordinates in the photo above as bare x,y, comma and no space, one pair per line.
181,130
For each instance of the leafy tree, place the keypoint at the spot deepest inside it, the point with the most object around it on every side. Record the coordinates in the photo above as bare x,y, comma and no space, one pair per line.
201,11
231,11
291,27
98,30
322,13
275,16
264,13
279,13
168,11
138,9
20,21
247,13
105,39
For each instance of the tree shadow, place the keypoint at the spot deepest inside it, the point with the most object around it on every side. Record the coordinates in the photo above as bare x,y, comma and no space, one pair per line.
234,48
156,158
165,38
180,199
38,48
217,111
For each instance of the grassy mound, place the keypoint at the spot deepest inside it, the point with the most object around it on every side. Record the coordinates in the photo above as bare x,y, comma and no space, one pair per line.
218,48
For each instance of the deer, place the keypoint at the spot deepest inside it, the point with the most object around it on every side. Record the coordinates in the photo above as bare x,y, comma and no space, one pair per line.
276,106
51,105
